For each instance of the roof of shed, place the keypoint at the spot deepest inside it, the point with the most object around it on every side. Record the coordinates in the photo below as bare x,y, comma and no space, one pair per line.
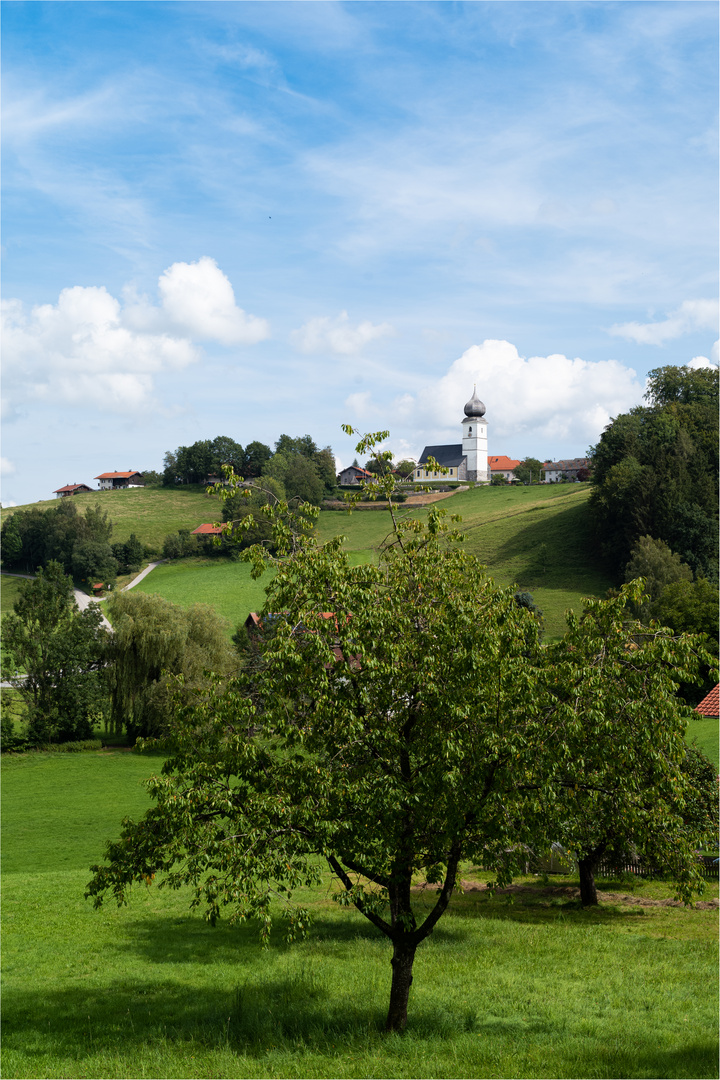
710,704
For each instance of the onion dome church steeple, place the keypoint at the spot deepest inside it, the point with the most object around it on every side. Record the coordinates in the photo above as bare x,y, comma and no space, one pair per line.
475,406
467,460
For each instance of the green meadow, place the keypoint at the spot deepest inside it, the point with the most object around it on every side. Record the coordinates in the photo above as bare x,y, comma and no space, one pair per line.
523,984
535,537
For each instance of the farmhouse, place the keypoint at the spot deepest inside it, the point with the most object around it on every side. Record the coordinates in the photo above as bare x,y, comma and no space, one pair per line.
466,460
70,489
111,481
566,469
502,465
353,475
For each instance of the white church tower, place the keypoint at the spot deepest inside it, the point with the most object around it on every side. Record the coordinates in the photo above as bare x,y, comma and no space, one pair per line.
475,443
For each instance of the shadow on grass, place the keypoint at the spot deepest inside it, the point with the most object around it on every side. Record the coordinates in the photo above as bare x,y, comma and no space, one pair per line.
287,1013
190,940
538,909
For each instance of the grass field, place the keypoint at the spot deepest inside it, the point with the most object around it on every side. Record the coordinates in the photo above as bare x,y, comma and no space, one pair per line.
150,513
536,987
704,732
536,537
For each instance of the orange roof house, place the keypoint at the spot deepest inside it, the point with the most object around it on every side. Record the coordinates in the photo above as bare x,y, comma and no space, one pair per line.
111,481
502,465
710,704
207,530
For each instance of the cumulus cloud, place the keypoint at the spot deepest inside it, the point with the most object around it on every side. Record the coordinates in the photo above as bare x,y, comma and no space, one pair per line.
337,335
6,467
534,404
90,349
692,315
199,298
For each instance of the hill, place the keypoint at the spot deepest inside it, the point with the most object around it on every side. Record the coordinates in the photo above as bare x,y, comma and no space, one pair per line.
536,537
151,513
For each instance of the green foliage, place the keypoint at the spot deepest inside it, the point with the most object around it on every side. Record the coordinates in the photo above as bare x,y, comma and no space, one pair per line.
654,562
529,470
58,653
499,481
78,542
155,640
656,471
244,509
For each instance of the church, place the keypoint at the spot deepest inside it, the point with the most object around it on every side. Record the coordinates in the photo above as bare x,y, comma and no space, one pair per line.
466,460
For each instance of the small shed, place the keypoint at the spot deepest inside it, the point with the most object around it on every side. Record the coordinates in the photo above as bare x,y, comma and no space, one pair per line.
207,530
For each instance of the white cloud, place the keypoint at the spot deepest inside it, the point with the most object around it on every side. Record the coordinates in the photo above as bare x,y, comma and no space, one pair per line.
6,467
690,316
546,401
199,298
701,362
90,349
337,335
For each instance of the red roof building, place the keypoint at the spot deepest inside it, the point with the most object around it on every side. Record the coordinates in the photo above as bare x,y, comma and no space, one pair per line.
502,465
710,704
70,489
207,530
110,481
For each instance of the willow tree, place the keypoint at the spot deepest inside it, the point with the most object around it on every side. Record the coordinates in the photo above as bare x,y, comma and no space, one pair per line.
400,722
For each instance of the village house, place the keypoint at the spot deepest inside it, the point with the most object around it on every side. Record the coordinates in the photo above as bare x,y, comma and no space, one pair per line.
70,489
111,481
565,469
502,465
353,475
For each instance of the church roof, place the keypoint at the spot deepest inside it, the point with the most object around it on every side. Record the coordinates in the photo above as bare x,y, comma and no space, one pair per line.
449,456
474,407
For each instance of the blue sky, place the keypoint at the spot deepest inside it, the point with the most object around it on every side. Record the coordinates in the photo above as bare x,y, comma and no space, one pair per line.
246,219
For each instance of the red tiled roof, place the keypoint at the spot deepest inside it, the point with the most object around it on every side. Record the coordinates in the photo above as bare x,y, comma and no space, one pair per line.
117,475
70,487
710,704
502,462
207,530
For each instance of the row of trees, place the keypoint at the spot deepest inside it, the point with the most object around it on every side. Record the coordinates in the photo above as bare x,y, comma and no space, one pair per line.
79,543
304,470
417,726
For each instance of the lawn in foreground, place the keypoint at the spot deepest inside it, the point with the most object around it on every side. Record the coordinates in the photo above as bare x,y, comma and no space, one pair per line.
533,988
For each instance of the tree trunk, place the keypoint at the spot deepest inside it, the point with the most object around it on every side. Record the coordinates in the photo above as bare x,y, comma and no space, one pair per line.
402,965
588,892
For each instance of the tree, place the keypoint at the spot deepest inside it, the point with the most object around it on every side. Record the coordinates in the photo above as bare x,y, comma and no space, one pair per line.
655,472
529,470
402,718
622,790
405,469
58,653
153,641
257,454
653,561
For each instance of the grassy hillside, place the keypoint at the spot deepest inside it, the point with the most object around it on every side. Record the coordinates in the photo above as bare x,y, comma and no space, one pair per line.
536,537
151,513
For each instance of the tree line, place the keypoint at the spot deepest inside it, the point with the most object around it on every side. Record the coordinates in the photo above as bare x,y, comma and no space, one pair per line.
654,503
79,543
304,470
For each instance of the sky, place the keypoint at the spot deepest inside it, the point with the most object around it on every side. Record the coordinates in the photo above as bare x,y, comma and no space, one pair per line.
250,219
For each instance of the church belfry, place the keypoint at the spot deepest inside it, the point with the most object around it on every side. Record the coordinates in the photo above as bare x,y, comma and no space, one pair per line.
474,443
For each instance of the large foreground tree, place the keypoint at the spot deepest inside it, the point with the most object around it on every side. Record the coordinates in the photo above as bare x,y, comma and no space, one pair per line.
399,719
